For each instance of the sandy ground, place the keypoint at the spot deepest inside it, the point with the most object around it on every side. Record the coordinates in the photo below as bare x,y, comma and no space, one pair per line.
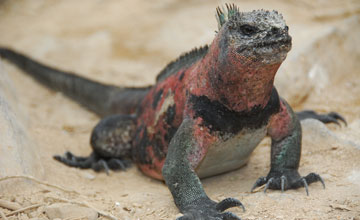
126,43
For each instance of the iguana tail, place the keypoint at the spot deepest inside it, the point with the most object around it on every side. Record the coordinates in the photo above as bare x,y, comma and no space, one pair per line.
100,98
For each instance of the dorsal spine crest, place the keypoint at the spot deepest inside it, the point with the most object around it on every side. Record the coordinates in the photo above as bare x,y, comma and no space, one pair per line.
223,15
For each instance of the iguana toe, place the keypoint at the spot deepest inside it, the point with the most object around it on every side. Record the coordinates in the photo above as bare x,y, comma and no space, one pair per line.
259,182
210,210
229,203
93,162
332,117
287,180
337,116
229,216
305,181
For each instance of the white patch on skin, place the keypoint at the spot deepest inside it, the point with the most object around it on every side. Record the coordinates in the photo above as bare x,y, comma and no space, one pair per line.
230,154
168,102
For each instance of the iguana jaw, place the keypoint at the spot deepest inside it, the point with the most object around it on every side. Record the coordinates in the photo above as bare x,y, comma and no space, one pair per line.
282,45
266,52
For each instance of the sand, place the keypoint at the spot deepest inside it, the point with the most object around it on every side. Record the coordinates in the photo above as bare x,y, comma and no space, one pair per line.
128,43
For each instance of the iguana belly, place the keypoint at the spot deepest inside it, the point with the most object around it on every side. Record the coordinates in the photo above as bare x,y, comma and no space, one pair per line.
231,153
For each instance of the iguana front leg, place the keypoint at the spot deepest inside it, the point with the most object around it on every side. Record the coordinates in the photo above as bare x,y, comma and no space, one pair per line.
285,132
184,155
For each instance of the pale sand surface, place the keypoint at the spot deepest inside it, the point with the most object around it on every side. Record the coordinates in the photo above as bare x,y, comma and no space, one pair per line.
127,43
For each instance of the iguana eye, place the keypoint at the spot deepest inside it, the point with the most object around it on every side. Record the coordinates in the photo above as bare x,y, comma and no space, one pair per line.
248,29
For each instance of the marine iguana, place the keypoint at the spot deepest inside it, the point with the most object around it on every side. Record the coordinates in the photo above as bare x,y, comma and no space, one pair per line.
204,116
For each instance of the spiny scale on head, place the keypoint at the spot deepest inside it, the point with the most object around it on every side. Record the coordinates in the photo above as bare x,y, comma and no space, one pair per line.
223,15
232,12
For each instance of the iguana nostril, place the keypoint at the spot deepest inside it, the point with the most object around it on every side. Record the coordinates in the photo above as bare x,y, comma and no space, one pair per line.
275,30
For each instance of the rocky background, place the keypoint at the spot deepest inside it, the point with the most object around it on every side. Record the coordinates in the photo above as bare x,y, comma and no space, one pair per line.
127,43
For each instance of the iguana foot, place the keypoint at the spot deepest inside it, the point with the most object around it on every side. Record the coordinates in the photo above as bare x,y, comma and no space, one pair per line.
332,117
93,162
287,180
206,209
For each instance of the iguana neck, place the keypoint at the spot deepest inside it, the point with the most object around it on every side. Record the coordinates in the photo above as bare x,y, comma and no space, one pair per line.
240,83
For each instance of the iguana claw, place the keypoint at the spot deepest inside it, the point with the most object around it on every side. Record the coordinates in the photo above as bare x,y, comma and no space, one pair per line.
306,186
283,180
336,116
259,182
332,117
229,216
210,210
229,203
289,180
268,184
93,161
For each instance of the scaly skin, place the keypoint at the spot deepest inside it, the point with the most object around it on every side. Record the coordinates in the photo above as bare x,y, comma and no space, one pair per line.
205,115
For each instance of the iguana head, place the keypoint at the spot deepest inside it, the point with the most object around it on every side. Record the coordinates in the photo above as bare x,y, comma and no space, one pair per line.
258,35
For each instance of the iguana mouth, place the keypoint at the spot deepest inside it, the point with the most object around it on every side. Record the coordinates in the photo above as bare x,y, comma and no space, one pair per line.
270,44
285,41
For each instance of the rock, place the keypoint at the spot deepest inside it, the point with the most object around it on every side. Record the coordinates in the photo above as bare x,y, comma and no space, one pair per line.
88,176
23,216
315,128
33,214
317,134
354,177
316,131
18,154
310,69
67,211
352,134
9,205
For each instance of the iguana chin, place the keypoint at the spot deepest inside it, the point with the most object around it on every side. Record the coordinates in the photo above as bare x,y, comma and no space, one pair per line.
204,116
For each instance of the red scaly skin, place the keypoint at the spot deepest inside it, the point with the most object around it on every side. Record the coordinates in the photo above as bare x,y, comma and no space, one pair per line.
280,124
